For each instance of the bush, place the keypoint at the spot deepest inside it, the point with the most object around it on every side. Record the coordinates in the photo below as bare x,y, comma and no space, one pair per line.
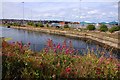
30,23
66,26
20,62
13,24
39,25
91,27
113,29
103,28
119,27
47,25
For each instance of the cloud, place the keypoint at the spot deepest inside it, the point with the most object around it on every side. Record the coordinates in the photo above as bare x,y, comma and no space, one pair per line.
92,12
61,0
71,11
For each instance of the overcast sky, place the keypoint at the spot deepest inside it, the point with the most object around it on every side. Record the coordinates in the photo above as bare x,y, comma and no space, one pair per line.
69,10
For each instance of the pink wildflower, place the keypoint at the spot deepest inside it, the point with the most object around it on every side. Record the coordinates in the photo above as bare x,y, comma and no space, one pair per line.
58,46
67,51
68,70
55,50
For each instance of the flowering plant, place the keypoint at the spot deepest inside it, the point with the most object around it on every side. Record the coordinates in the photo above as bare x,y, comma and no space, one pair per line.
55,61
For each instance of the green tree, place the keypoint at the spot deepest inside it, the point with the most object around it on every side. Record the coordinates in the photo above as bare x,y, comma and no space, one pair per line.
103,28
91,27
114,28
47,25
39,24
30,23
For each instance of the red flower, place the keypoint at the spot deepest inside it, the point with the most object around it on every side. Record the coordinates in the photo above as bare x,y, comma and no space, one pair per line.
64,47
55,50
68,70
98,69
58,46
67,51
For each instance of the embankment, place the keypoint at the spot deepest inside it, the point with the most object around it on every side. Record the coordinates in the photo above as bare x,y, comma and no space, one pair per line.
102,39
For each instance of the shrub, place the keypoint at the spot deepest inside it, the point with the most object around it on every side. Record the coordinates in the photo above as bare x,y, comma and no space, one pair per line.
66,26
119,27
13,24
103,28
20,62
47,25
113,29
91,27
39,25
30,23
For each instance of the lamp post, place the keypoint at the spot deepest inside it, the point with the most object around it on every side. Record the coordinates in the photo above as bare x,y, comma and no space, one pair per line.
31,14
3,13
23,13
119,13
80,11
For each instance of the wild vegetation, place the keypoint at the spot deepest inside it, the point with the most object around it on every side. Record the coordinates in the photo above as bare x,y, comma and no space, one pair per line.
91,27
114,28
55,61
66,26
13,24
39,24
103,28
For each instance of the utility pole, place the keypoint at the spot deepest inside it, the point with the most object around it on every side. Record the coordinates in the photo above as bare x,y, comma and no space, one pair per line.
119,13
80,12
23,13
31,14
3,13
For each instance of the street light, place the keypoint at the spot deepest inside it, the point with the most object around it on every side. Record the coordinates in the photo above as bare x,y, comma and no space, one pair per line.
80,11
119,13
2,11
2,14
23,12
31,14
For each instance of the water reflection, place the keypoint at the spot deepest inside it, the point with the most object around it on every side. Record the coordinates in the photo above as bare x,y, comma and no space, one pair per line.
38,40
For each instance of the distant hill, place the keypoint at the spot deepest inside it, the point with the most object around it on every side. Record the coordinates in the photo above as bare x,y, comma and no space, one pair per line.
113,23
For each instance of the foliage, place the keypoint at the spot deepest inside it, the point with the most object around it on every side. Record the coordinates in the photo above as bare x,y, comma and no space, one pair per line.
30,23
103,28
13,24
39,24
91,27
47,25
114,28
66,26
55,61
35,24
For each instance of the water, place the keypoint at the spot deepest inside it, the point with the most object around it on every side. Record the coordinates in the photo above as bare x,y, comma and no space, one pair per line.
38,40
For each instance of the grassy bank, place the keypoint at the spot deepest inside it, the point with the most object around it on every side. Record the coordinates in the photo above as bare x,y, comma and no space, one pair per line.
55,61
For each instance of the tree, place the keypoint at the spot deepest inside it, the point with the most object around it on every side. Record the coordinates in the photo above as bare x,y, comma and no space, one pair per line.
91,27
30,23
39,25
114,28
47,25
103,28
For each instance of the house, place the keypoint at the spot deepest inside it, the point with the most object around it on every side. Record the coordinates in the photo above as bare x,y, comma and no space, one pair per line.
62,23
74,24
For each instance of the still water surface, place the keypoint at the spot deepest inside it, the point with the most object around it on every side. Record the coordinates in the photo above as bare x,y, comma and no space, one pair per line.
38,40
